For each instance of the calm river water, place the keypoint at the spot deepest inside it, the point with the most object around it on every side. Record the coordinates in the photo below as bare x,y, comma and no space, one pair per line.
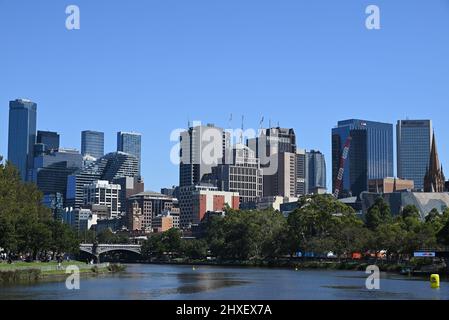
219,283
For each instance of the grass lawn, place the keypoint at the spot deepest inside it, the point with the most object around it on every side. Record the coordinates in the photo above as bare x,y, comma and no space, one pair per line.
38,265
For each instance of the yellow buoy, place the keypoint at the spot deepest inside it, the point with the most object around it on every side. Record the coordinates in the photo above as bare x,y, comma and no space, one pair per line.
435,281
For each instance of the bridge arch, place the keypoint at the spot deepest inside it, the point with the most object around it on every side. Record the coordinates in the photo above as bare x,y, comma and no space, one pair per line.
96,250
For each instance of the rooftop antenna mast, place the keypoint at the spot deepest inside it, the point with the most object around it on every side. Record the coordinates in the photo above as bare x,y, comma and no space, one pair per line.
261,125
241,133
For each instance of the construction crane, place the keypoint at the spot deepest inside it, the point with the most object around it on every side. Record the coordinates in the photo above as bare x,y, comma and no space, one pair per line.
341,171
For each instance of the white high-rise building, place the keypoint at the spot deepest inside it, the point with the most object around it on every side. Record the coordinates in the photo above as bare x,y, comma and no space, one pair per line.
201,149
102,192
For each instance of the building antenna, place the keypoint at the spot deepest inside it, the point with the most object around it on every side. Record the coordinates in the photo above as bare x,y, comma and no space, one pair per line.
241,133
261,125
230,121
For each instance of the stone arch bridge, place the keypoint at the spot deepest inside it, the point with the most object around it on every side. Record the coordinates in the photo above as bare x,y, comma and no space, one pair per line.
97,249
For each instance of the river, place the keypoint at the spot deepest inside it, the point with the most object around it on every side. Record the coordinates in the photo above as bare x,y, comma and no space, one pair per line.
167,282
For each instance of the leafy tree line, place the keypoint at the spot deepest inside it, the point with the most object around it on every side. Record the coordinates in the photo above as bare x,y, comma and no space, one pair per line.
320,225
26,226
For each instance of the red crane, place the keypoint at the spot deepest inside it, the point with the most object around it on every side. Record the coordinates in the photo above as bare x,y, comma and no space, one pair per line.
341,171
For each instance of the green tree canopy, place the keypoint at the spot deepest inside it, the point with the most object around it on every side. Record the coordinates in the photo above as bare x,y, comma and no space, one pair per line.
379,213
410,211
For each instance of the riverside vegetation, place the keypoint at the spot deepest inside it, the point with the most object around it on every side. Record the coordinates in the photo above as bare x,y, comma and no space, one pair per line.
29,232
321,224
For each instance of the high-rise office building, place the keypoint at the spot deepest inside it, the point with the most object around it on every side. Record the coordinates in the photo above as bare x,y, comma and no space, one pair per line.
151,204
103,193
242,175
49,139
193,143
92,143
131,143
370,154
91,171
277,152
315,171
22,135
301,172
52,168
120,164
129,186
414,140
110,167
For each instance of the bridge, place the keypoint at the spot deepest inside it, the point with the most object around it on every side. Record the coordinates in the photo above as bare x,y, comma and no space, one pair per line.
97,249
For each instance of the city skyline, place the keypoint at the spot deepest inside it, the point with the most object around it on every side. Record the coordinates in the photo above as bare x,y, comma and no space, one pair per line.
291,64
233,141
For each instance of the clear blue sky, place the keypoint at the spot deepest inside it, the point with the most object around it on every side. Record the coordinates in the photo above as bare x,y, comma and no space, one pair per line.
150,66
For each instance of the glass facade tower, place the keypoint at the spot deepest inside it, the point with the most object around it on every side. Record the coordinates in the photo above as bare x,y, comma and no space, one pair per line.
316,170
370,154
22,135
414,140
92,143
131,143
49,139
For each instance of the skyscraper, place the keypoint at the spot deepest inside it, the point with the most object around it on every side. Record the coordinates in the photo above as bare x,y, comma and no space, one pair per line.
49,139
120,164
276,150
414,139
315,171
103,193
112,166
131,143
193,142
434,180
370,154
301,172
242,175
22,135
92,143
52,168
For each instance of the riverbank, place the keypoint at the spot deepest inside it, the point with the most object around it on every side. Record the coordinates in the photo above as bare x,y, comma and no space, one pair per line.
23,272
408,268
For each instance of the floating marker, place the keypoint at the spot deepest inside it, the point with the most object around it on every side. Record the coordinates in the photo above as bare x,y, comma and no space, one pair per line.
435,281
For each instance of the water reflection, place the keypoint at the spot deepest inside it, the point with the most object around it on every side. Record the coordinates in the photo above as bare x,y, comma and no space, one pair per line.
218,283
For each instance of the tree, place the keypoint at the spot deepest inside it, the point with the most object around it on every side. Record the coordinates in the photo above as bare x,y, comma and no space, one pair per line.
23,218
195,249
172,240
389,237
410,211
63,238
378,214
158,245
153,247
443,235
318,223
106,236
349,235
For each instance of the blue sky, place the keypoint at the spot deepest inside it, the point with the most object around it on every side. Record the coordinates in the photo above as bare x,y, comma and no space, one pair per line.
151,66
